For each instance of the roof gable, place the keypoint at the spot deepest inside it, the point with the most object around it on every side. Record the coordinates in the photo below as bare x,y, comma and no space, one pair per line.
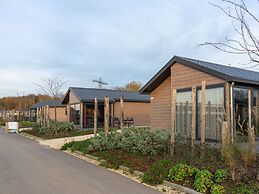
226,73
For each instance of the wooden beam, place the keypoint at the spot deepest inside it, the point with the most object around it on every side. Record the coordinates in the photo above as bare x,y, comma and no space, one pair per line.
224,138
122,112
82,115
48,119
44,116
68,112
37,116
251,143
173,113
95,116
249,108
228,111
112,115
203,112
106,115
194,102
257,110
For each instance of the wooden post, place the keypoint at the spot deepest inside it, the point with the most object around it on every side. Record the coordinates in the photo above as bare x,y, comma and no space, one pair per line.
44,116
68,112
228,111
203,115
82,115
112,115
122,112
41,116
95,116
212,130
48,119
224,138
249,108
186,118
251,143
173,113
37,116
193,134
106,115
257,111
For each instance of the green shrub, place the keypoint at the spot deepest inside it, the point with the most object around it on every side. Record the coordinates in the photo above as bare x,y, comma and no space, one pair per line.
203,181
220,175
181,171
243,189
144,141
27,124
103,142
132,140
158,172
57,127
82,146
217,189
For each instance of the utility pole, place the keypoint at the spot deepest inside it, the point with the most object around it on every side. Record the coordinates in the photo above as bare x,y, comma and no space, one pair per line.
100,82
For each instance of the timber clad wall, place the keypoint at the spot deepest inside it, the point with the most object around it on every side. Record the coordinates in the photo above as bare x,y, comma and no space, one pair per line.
61,115
160,106
73,98
138,110
185,77
181,77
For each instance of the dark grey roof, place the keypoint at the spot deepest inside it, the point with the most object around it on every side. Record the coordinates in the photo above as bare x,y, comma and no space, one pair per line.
50,103
226,73
89,94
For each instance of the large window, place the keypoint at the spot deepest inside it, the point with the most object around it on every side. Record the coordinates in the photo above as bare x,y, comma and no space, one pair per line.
75,113
184,113
214,113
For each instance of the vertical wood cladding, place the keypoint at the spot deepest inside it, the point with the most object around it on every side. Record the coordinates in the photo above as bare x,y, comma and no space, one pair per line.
182,76
138,110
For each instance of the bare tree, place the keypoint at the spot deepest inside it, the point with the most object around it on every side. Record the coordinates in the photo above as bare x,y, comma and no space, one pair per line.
52,86
245,23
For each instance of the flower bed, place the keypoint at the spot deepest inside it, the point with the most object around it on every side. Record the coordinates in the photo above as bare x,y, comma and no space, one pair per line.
146,151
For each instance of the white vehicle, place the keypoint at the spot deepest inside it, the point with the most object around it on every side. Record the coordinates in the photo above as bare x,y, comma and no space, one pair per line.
12,127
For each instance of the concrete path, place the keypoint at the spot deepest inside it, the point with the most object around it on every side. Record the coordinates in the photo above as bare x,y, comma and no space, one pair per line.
31,168
59,142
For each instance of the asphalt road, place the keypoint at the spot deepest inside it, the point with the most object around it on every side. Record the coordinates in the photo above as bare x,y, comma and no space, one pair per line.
29,168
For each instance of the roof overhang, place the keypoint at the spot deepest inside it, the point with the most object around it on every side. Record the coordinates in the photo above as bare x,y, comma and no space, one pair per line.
165,72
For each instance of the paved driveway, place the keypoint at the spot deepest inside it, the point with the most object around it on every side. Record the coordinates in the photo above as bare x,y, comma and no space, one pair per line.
29,168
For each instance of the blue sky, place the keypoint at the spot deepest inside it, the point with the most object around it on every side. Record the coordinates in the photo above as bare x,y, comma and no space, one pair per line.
117,40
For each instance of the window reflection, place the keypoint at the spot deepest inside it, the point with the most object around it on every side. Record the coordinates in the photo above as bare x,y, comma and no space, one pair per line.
75,113
184,113
240,98
214,113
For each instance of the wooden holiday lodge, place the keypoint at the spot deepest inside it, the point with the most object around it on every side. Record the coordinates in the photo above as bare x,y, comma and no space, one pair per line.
194,98
123,107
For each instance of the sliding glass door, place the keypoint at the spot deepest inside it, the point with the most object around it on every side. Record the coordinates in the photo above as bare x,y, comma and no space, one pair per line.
184,113
214,113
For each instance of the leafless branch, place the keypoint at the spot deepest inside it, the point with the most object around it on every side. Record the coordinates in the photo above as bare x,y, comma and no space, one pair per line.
248,41
51,86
